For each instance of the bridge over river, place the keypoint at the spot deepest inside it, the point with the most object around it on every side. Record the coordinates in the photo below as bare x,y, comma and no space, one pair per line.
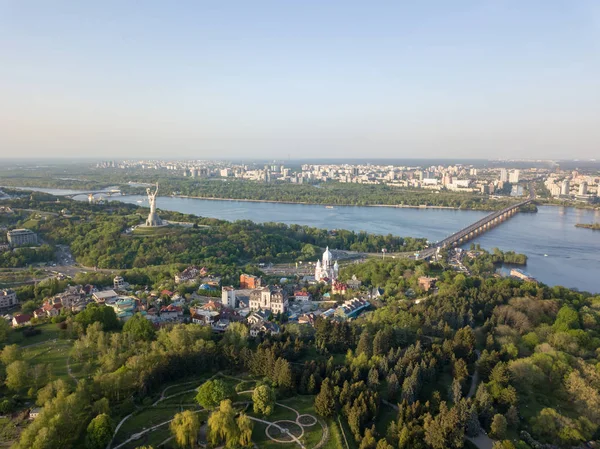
477,228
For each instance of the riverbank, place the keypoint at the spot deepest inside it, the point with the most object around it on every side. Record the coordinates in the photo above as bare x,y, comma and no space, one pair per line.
592,226
329,206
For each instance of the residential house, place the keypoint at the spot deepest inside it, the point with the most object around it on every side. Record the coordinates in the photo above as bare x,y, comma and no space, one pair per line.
187,275
170,312
303,296
354,283
265,327
258,317
338,288
22,319
307,318
204,317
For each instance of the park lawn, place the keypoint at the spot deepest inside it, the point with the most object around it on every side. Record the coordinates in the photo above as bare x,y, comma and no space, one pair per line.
50,331
303,405
246,385
159,435
144,419
53,353
151,439
182,398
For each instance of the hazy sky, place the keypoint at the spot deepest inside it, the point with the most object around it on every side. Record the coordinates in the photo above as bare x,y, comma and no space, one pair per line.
302,78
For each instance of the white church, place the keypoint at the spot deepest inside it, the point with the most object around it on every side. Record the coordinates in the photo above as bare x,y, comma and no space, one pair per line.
326,269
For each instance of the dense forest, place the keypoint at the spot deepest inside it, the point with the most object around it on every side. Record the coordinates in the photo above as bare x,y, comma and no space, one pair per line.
534,350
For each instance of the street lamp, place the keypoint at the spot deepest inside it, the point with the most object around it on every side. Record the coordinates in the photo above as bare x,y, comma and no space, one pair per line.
383,251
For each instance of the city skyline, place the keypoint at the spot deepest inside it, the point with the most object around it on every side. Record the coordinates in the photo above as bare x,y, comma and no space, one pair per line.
272,80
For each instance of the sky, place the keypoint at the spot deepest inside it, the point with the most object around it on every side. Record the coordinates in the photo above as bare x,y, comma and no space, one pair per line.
299,79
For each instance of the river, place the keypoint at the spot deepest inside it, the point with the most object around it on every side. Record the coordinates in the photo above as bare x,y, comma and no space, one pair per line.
558,252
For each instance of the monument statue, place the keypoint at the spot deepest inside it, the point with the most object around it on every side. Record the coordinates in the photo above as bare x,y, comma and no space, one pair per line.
153,218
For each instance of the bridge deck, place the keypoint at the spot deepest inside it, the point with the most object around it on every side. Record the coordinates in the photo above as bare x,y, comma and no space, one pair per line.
457,236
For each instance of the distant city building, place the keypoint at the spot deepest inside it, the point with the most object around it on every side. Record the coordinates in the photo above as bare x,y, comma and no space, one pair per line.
583,188
514,177
503,175
20,237
8,298
565,187
269,298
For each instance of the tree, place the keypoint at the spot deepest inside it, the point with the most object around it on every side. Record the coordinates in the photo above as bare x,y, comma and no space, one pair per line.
212,392
383,444
10,354
236,335
506,444
139,328
245,426
325,400
498,427
98,313
264,400
29,307
185,427
566,319
456,391
4,331
17,375
222,425
368,441
99,432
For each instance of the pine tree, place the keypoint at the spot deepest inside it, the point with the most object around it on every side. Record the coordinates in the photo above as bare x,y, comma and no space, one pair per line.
325,400
312,384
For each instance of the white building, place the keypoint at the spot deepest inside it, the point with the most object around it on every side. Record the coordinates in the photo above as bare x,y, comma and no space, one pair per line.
503,175
565,187
8,298
228,297
514,177
119,283
583,188
326,268
18,237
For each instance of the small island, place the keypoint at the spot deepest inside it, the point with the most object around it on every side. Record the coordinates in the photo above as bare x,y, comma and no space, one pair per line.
592,226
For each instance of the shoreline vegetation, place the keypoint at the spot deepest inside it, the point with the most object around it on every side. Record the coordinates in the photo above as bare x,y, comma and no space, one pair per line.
592,226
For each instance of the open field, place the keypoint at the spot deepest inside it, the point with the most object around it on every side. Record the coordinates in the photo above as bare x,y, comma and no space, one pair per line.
53,353
50,331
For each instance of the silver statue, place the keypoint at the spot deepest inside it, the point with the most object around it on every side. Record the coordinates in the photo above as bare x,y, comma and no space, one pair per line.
153,218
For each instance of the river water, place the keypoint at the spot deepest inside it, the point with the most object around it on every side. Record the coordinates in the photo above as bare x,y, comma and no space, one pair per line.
558,252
